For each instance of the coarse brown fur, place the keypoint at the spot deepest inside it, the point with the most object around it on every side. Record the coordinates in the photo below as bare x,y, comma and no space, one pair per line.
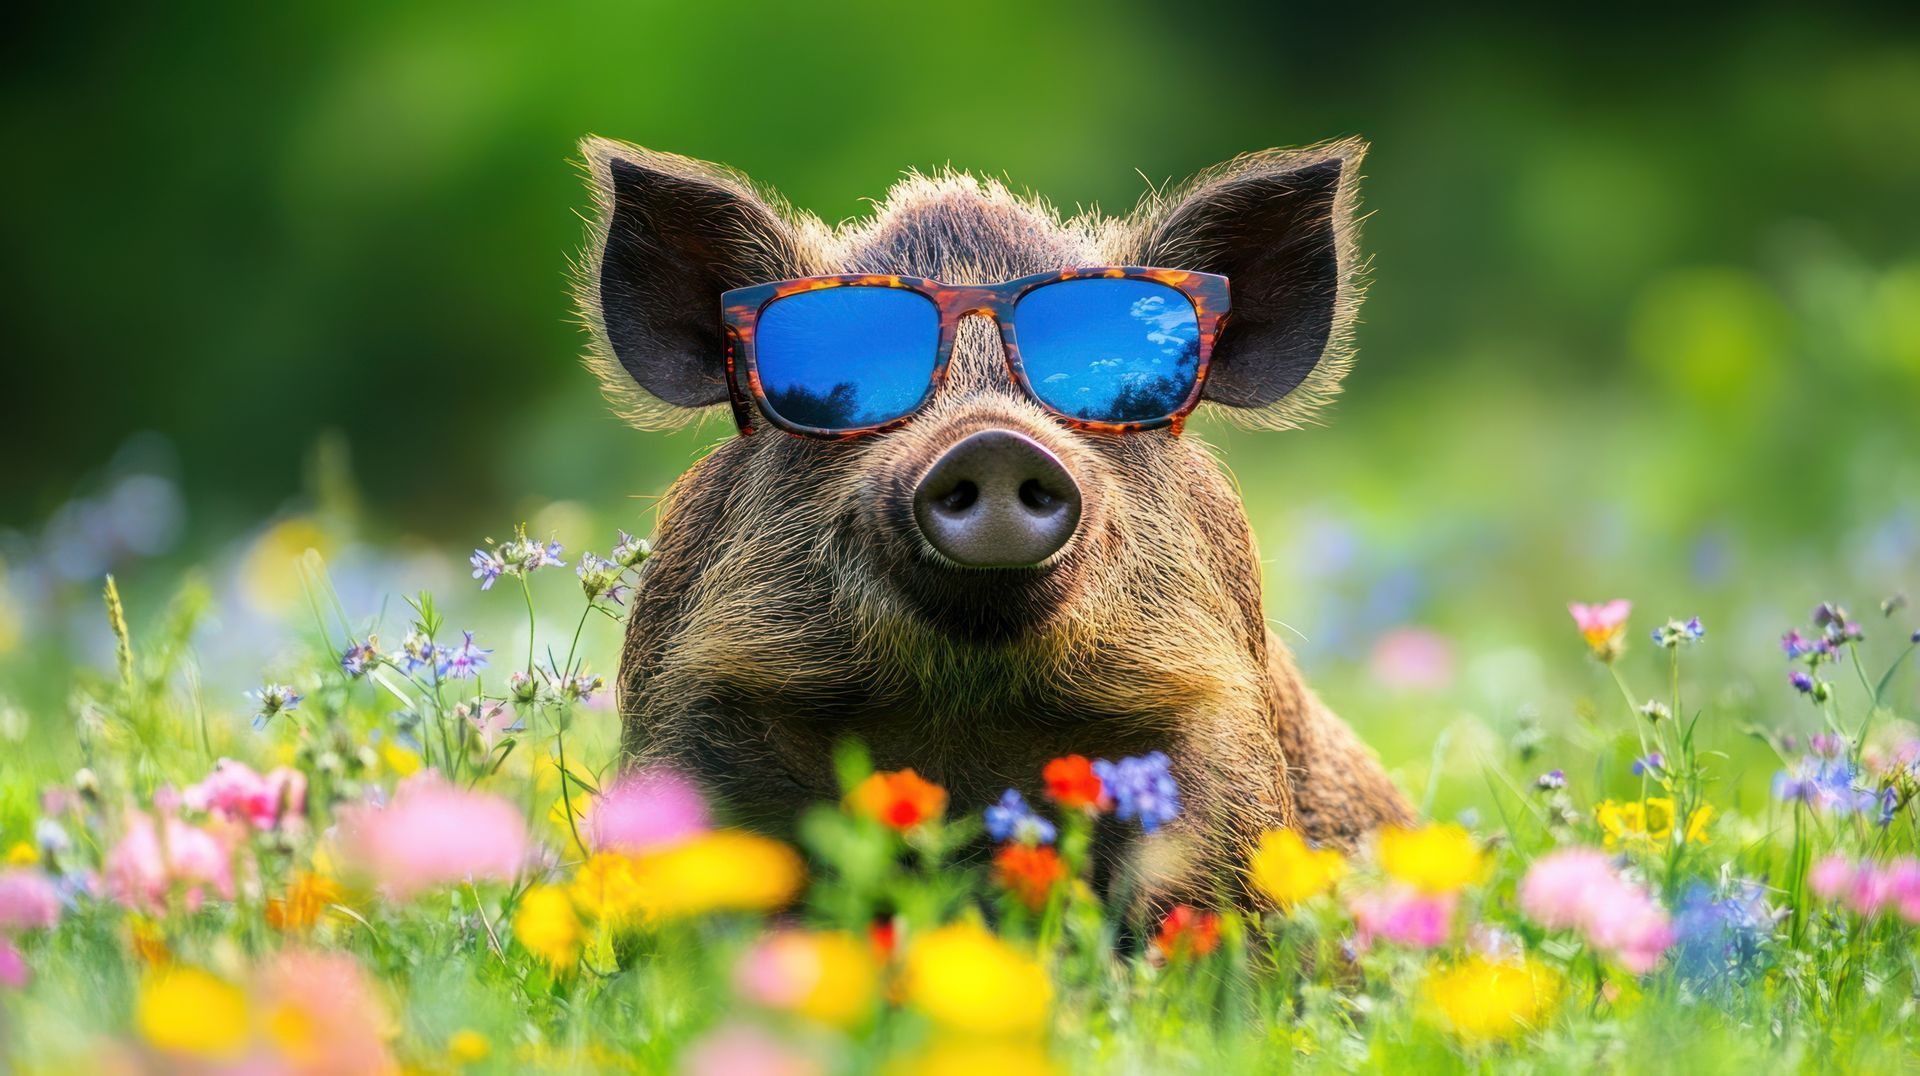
790,602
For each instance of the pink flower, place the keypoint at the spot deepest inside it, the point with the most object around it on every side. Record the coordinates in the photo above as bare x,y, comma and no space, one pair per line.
1577,889
28,900
333,1020
1831,877
144,868
13,968
235,792
433,834
1402,916
1602,625
1903,879
737,1049
646,809
1871,889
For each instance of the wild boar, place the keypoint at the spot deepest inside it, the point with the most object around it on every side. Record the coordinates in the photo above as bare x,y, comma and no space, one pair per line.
1098,594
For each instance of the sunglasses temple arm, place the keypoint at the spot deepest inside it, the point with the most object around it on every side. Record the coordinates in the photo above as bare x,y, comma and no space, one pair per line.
742,414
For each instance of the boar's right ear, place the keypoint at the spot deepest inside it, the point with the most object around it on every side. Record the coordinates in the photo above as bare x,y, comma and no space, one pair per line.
1280,227
669,236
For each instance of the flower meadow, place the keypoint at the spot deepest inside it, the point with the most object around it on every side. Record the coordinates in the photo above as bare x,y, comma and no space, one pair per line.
412,850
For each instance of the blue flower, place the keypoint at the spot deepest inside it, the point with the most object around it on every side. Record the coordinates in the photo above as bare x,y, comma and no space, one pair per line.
488,565
1801,682
1719,940
416,652
1012,820
1653,764
1795,644
1142,788
463,661
629,551
1675,632
1824,785
359,658
1551,781
1889,805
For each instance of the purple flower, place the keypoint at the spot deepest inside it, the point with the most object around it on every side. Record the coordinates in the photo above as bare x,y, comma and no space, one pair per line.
1826,744
1889,805
274,699
629,551
1652,764
1825,785
1720,940
1795,644
1675,632
1012,820
416,652
1550,781
1142,788
1802,682
359,658
463,661
488,566
600,578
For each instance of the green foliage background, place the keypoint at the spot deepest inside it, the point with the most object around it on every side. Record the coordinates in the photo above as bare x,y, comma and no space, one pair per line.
1645,317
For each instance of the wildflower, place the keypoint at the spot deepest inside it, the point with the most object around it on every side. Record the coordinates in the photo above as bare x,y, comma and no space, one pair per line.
1603,626
189,1012
22,854
28,900
1824,784
1655,711
1436,858
235,792
899,800
1073,784
583,687
307,896
274,699
320,1014
468,1047
1674,632
1480,999
544,921
1827,744
631,552
489,722
1653,764
1403,916
972,983
1142,788
417,652
733,1049
488,566
1721,938
1830,877
645,809
1012,820
463,661
600,578
1801,682
1576,888
1649,820
1551,781
431,834
607,887
829,977
526,688
718,871
360,658
1796,645
1287,872
1029,872
1186,933
13,967
156,858
1889,806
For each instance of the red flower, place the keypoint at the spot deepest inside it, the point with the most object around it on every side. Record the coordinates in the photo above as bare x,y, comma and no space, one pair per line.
1028,872
901,800
1072,783
884,933
1187,932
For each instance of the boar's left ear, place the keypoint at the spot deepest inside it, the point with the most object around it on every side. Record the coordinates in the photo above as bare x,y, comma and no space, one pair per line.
670,235
1280,227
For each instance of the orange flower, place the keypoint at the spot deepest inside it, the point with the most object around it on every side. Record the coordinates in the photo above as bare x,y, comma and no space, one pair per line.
307,896
901,800
1072,783
1187,932
1029,872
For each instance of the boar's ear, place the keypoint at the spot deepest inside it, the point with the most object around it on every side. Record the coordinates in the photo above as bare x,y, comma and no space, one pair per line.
670,234
1280,227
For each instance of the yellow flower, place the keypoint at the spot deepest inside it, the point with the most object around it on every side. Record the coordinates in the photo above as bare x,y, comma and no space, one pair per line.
467,1046
607,887
187,1011
954,1056
1480,999
1436,858
721,871
308,896
827,976
399,760
1648,822
22,854
1288,872
546,924
971,982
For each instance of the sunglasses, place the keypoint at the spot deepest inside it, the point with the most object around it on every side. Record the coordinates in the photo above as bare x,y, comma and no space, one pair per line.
1107,349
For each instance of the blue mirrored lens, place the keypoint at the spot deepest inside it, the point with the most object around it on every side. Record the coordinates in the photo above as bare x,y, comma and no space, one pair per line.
843,358
1109,350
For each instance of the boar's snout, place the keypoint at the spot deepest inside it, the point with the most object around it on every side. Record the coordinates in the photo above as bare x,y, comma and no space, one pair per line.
997,499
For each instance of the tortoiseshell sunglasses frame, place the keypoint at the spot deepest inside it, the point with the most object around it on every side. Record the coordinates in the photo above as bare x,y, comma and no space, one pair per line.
741,309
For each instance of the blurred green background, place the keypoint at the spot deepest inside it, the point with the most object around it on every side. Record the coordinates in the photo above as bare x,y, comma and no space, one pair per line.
1645,318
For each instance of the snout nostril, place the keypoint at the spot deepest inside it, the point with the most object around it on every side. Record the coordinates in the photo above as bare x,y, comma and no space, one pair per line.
959,499
1036,497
